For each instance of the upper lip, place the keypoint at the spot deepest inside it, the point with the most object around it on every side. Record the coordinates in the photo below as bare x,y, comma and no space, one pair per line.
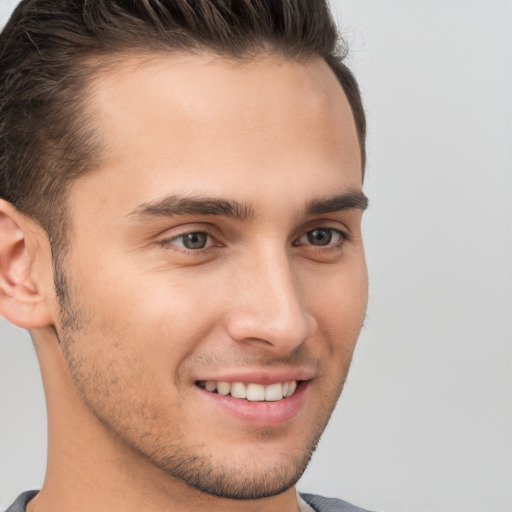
264,377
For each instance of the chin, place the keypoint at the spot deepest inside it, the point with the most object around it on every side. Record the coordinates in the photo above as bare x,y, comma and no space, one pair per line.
242,482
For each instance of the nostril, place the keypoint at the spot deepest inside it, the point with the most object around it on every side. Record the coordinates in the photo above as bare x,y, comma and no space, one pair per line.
273,330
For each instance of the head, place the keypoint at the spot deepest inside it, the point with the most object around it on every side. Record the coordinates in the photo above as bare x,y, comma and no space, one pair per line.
49,53
190,174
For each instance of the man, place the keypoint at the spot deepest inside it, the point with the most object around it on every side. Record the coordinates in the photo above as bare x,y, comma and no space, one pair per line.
180,232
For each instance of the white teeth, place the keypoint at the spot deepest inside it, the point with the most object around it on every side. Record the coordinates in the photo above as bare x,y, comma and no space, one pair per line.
210,385
292,386
238,390
255,392
274,392
252,392
223,388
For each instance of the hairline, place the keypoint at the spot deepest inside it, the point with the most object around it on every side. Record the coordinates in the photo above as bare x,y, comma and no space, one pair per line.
97,65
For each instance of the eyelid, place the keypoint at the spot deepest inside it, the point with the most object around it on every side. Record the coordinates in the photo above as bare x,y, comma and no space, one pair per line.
342,238
167,241
182,240
328,224
216,238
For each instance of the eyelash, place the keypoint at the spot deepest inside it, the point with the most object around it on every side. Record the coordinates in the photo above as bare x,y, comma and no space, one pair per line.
169,242
343,237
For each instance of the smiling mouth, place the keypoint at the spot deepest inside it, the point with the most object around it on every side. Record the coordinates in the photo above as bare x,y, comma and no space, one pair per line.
251,391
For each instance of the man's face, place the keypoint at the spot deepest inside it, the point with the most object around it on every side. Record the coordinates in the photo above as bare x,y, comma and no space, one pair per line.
217,250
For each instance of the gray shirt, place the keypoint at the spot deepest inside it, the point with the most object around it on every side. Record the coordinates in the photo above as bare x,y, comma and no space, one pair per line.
307,503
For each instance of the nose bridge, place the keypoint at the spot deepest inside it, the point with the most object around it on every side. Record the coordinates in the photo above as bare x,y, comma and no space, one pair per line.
270,304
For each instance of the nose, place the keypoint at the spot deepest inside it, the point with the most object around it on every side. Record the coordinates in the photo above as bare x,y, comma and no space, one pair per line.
269,306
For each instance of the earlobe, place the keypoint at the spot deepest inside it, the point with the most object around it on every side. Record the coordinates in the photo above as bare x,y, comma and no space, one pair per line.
21,300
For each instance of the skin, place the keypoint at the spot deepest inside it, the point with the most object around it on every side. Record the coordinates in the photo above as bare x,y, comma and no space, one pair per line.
145,318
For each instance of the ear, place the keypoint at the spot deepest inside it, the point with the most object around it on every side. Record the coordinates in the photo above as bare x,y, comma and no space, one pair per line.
24,297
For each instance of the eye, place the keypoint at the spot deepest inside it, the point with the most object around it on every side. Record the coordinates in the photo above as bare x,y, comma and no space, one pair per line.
193,241
322,237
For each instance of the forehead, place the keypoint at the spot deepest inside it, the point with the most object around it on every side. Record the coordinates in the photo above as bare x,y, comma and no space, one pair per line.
187,120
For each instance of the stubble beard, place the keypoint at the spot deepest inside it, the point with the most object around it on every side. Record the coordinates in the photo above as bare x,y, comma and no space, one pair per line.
169,451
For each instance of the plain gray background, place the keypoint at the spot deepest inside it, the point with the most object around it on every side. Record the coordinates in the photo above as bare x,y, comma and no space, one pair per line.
425,421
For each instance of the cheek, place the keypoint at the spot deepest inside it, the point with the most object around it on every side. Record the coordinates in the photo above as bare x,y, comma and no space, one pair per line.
162,317
338,302
156,317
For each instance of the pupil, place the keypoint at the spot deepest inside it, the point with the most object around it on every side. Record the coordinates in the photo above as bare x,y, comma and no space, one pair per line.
194,240
320,236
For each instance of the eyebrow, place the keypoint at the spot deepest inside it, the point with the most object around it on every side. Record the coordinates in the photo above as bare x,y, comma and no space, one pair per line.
180,205
354,199
183,205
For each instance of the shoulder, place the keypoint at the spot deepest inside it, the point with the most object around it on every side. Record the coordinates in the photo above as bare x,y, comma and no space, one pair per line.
321,504
21,502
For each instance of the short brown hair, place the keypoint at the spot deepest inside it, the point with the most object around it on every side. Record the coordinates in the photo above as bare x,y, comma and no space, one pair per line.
45,54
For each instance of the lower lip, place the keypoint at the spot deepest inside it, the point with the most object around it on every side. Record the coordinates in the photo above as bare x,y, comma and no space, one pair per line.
264,414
